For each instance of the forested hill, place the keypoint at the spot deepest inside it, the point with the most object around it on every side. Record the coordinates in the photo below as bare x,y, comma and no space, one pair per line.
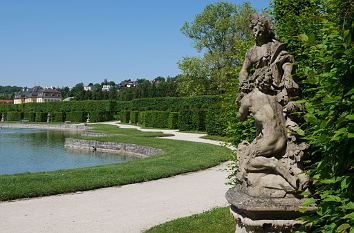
8,92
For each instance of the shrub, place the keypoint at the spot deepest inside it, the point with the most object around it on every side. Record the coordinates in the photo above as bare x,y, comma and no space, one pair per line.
216,121
14,116
58,117
99,116
30,116
142,118
41,116
134,117
76,116
198,119
172,122
149,119
185,121
161,119
125,116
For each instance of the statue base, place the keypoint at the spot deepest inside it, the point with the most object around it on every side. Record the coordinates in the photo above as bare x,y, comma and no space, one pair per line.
259,214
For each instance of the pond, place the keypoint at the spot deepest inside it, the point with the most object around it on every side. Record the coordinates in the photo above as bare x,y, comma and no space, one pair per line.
31,150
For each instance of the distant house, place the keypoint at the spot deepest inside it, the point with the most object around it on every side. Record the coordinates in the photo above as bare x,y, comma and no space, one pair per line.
128,84
6,101
106,87
37,94
89,88
131,84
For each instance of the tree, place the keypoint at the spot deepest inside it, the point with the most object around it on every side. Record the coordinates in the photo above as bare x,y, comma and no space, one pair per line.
195,79
222,32
319,34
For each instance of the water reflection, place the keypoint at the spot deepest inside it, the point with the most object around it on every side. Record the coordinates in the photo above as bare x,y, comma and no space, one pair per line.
32,150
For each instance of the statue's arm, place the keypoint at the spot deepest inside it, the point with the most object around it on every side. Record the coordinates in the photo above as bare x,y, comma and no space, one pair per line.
244,109
243,75
287,68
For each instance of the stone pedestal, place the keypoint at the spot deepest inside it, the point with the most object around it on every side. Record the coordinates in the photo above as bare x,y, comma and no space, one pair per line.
261,214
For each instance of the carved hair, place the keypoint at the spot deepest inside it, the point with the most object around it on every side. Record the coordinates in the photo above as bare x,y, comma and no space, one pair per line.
265,20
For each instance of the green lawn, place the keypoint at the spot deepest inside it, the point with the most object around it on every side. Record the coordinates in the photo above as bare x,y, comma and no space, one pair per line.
217,220
179,157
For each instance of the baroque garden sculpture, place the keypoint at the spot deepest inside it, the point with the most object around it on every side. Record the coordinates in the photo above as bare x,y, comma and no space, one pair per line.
269,168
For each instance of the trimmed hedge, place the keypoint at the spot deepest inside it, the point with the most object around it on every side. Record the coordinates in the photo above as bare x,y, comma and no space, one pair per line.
125,118
156,119
172,104
142,117
134,117
216,122
198,119
62,106
192,119
99,116
41,117
172,121
58,117
30,116
76,116
185,121
14,116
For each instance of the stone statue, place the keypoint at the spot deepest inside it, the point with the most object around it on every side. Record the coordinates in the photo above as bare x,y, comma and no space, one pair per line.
3,117
88,118
48,117
269,166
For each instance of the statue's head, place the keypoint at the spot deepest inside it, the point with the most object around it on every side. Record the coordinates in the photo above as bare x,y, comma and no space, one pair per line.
261,26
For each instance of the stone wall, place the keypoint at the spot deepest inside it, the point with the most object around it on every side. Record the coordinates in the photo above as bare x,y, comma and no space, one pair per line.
44,126
115,147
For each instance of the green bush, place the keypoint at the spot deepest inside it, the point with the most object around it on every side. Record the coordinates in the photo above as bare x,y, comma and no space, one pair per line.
30,116
58,117
134,117
41,116
142,117
14,116
156,119
161,119
198,119
185,121
76,116
216,122
125,116
99,116
149,119
172,122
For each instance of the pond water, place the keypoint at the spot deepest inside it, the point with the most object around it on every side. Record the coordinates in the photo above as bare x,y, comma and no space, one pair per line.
31,150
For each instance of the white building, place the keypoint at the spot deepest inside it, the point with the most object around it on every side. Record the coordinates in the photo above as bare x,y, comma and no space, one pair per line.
106,87
89,88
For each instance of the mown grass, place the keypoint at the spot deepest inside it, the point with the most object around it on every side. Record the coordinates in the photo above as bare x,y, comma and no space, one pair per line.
217,138
179,157
216,220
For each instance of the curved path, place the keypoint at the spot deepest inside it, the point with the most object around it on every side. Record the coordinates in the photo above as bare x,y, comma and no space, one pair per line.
128,208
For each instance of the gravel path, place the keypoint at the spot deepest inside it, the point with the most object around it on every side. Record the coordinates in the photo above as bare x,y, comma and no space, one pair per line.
128,208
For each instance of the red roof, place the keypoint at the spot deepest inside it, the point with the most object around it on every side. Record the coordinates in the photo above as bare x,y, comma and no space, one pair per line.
6,101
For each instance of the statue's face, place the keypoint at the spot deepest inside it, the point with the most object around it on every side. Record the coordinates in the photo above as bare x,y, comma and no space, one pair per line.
259,31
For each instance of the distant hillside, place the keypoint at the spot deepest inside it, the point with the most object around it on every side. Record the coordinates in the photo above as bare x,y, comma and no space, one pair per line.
8,92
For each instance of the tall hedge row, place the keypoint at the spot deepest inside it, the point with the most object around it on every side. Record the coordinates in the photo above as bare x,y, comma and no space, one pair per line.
14,116
76,116
41,116
156,119
134,117
30,116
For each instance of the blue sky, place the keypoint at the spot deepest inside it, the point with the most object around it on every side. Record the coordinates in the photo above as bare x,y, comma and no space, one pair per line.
62,43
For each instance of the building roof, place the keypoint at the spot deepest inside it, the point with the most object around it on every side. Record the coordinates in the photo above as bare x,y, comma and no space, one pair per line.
6,101
36,92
